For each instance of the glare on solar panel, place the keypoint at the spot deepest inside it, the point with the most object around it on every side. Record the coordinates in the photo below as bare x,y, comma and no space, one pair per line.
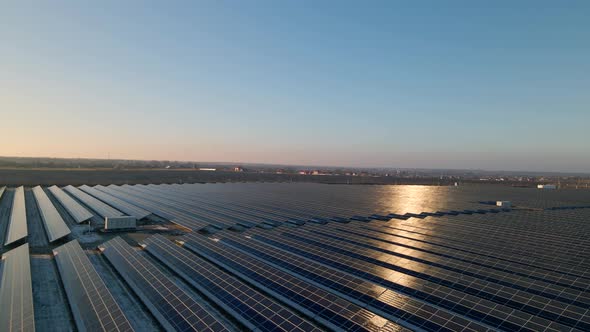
253,309
317,304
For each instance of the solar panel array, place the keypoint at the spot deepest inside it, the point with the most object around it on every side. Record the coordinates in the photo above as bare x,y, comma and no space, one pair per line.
251,308
91,302
16,293
77,211
54,224
272,257
325,308
111,190
97,206
17,226
121,205
171,306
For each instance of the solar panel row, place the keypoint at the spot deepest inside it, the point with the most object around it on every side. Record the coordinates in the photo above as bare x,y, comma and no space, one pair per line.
225,209
251,308
400,278
133,200
17,227
129,209
16,293
404,244
158,208
390,303
97,206
91,302
77,211
316,262
55,226
172,307
181,207
225,216
323,307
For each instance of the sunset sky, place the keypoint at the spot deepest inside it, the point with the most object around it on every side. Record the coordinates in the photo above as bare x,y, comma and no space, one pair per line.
432,84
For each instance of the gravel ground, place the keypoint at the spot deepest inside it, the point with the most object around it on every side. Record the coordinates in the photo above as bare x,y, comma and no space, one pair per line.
49,299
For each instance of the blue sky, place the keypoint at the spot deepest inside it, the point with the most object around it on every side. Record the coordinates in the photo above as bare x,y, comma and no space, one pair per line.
432,84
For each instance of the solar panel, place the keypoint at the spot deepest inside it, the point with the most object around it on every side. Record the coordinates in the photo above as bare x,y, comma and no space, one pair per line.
17,227
129,209
405,246
157,207
323,307
172,307
16,293
91,303
99,207
229,214
77,211
54,224
387,274
183,207
251,308
391,304
134,200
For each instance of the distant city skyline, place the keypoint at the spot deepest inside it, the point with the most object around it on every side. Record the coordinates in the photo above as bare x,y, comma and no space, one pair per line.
457,85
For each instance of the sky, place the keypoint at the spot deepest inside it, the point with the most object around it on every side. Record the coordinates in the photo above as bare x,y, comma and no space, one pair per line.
497,85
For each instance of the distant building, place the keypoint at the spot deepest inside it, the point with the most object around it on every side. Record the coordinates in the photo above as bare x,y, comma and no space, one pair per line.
238,169
120,223
207,169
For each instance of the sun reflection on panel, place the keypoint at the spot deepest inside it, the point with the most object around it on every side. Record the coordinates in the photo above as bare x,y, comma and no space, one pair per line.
401,200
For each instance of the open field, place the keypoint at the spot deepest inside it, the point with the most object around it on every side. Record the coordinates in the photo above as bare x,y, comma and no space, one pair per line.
32,177
62,177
